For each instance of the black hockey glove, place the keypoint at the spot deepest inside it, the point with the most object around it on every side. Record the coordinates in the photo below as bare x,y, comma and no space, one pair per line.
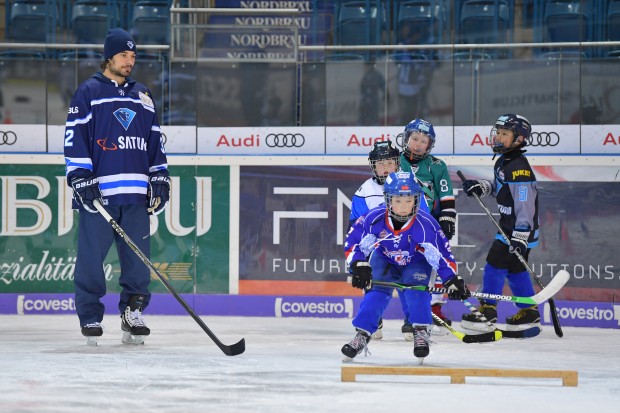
158,193
518,241
447,220
362,274
457,290
474,187
85,191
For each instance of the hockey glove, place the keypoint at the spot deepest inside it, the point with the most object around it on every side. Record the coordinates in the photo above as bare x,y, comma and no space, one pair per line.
474,187
85,191
447,220
457,290
362,273
518,241
158,193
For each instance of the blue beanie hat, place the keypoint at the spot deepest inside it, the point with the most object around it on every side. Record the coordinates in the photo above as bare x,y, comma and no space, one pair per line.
117,40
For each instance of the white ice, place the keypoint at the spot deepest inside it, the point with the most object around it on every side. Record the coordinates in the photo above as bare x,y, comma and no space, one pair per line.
290,365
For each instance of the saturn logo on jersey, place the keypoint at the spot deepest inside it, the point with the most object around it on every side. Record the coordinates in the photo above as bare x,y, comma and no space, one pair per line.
124,142
124,116
104,146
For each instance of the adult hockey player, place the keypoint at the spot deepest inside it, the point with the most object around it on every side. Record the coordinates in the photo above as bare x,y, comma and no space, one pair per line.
432,173
400,243
516,192
114,154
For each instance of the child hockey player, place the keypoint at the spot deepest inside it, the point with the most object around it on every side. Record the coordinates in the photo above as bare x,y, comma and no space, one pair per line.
400,243
432,173
383,160
516,192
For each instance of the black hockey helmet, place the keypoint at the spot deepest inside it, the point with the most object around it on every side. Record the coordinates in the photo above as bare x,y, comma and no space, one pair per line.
382,150
518,124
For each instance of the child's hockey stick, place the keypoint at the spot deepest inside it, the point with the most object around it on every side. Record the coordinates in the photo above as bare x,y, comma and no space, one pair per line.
554,313
232,350
553,287
470,338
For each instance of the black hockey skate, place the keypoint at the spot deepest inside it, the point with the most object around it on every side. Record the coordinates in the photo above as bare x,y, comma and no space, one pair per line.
357,345
91,331
421,342
471,322
525,318
133,325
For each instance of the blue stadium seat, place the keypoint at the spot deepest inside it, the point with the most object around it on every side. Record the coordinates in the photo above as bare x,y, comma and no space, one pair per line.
613,25
91,21
568,21
486,21
613,20
32,21
357,24
151,22
420,22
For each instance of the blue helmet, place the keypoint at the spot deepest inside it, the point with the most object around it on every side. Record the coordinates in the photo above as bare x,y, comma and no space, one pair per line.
418,126
515,123
402,184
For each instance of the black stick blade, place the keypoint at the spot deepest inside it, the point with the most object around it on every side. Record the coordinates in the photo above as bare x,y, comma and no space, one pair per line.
235,349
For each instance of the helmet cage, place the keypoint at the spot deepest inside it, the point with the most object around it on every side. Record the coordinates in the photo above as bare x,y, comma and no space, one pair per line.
402,184
383,151
518,125
406,217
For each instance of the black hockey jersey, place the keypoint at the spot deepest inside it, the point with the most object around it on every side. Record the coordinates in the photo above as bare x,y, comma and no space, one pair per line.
516,192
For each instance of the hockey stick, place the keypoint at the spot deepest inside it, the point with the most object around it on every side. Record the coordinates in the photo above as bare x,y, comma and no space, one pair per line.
553,287
470,338
526,333
554,313
232,350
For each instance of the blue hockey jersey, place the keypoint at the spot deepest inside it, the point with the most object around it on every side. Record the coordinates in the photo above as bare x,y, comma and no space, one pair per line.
420,238
113,131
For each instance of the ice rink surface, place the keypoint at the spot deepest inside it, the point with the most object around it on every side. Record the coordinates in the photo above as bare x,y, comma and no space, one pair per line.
290,365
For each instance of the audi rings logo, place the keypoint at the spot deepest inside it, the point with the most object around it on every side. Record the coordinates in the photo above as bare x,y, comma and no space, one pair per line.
543,139
285,140
164,139
7,138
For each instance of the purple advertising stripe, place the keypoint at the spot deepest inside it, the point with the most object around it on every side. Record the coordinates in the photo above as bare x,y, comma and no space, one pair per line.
572,313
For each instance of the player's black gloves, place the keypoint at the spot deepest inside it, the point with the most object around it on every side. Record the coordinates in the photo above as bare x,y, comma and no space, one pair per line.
457,290
86,190
518,241
477,187
158,193
447,220
362,274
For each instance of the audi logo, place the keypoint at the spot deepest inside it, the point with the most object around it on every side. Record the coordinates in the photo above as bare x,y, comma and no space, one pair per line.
399,139
164,138
543,139
285,140
7,138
